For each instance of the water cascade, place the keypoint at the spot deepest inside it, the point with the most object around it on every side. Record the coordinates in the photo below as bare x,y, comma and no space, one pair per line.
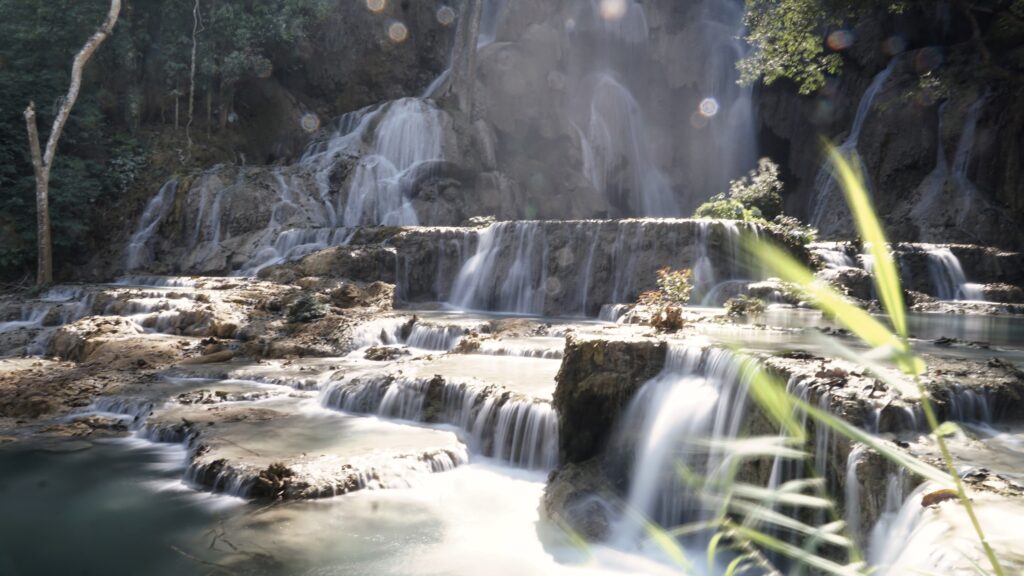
500,424
137,255
825,187
610,64
948,277
575,268
407,135
698,396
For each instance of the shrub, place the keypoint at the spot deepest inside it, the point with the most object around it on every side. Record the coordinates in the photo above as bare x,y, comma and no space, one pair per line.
745,306
760,190
720,207
675,285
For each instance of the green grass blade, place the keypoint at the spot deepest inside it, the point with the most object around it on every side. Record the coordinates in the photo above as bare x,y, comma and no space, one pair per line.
812,560
885,276
856,320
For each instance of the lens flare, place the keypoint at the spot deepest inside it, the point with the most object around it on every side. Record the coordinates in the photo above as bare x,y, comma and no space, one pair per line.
445,15
376,6
310,122
840,40
708,107
398,32
613,9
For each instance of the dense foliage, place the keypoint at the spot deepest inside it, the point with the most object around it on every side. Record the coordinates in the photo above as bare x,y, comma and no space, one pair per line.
757,198
744,306
802,40
138,80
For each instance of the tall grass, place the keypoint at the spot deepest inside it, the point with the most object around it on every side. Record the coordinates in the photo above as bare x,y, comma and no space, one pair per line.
890,341
749,531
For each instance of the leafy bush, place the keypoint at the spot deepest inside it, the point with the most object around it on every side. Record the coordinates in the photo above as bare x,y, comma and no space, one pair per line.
675,285
743,305
794,234
761,190
665,304
721,207
757,198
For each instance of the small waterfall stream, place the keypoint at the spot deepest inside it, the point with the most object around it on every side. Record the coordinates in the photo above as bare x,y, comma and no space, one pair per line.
697,397
137,254
824,184
948,277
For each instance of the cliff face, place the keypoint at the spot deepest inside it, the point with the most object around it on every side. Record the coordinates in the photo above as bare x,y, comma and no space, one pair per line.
940,137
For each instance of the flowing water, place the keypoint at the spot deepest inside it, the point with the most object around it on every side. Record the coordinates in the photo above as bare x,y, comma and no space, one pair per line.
826,202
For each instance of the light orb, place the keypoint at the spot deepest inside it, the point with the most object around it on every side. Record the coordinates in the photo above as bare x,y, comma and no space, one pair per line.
613,9
708,107
397,32
445,15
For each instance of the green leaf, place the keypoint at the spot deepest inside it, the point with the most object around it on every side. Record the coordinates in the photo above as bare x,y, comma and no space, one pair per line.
885,275
948,429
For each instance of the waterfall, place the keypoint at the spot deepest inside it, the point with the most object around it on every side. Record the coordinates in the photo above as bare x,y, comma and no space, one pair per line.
610,48
962,159
948,277
409,332
697,397
824,183
575,268
852,496
156,210
500,424
834,256
616,136
517,285
407,135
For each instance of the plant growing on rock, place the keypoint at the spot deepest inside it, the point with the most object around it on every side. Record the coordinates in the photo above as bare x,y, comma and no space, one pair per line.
665,304
745,306
757,198
761,189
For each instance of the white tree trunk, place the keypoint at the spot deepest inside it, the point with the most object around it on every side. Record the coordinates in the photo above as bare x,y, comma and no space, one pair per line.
42,162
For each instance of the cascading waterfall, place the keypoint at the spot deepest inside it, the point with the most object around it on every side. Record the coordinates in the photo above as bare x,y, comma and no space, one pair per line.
281,243
500,424
137,255
616,136
610,46
575,268
852,497
834,257
698,396
962,159
517,285
948,277
824,183
405,331
407,135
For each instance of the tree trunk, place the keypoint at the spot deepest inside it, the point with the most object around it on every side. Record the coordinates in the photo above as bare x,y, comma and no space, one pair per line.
192,75
42,162
44,270
467,34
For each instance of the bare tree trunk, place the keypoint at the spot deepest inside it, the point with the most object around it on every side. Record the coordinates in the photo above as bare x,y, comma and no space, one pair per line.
42,162
467,34
192,75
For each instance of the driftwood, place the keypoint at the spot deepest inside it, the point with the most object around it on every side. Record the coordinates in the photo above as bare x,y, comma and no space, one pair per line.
42,161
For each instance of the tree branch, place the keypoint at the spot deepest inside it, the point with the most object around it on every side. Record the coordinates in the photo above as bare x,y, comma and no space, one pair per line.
76,81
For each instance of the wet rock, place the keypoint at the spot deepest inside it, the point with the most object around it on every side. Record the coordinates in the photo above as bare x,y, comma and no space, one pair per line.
215,358
595,383
582,498
384,353
306,309
854,282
